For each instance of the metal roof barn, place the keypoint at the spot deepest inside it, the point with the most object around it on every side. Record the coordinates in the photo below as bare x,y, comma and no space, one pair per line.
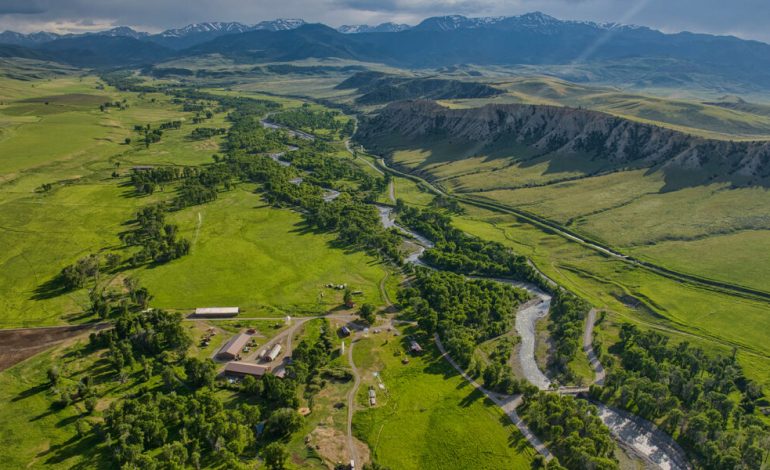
245,368
232,349
217,311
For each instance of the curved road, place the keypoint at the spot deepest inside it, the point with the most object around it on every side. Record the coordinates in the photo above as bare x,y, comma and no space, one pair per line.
508,403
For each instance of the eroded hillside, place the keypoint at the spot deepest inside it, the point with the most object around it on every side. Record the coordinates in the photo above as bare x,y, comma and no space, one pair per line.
607,141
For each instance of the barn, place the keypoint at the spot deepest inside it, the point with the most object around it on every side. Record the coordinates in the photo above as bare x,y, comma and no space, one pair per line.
242,369
232,349
217,312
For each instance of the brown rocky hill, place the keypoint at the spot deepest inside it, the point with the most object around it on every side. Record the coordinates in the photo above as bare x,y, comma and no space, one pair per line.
581,133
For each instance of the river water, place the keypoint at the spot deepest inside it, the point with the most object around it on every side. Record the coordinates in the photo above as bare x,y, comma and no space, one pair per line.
635,435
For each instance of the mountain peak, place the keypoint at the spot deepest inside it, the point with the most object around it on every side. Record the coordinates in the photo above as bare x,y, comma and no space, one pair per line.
538,18
121,31
280,24
380,28
207,27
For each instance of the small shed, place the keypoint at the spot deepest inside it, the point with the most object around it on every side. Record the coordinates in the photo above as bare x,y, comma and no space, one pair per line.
232,349
241,369
415,348
273,354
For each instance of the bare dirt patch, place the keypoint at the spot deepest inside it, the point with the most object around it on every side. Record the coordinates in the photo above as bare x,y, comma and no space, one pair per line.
19,344
331,445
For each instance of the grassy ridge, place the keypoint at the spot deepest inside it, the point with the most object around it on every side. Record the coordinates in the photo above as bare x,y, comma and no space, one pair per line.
633,211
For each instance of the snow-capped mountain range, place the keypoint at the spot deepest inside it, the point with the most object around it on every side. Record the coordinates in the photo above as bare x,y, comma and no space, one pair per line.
176,38
201,32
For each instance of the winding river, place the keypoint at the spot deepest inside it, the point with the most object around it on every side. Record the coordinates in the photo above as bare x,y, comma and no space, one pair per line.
635,435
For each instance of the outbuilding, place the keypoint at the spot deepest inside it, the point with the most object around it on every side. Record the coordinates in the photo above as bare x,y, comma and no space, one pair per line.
242,369
217,312
232,349
415,348
273,354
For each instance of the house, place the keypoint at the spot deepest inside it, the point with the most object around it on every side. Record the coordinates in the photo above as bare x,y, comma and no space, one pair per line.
232,349
217,312
242,369
415,348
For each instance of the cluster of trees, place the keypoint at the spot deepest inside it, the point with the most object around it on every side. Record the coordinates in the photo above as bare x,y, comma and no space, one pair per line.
462,253
147,180
75,276
153,335
248,135
572,430
357,224
194,97
201,117
201,133
568,313
463,312
158,241
706,403
497,373
152,136
125,80
201,185
306,118
121,105
351,216
157,430
170,125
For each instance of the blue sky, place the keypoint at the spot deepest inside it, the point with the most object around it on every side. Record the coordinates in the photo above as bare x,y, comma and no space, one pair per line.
744,18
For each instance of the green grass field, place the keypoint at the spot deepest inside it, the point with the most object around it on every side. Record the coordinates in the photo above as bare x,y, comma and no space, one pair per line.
430,417
715,321
245,254
261,259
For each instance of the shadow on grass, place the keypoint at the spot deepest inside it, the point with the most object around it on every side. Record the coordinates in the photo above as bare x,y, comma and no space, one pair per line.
30,392
50,289
86,448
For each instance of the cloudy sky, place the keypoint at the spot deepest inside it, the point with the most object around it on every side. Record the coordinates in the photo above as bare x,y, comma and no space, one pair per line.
743,18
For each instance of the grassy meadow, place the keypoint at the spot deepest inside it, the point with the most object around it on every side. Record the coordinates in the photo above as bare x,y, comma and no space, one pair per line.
245,253
429,417
259,258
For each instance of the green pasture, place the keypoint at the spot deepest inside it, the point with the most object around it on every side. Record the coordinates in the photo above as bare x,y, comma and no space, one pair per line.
714,320
430,417
262,259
